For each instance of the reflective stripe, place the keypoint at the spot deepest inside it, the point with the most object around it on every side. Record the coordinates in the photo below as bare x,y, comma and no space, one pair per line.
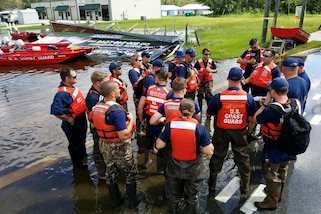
233,97
183,125
155,99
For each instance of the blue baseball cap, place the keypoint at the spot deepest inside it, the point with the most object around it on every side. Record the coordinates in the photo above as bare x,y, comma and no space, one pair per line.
278,84
191,52
235,74
114,65
146,54
180,54
300,62
290,62
158,63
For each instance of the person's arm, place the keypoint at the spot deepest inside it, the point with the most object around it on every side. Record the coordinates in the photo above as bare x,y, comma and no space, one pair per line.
157,118
163,138
140,110
125,133
208,150
66,117
205,143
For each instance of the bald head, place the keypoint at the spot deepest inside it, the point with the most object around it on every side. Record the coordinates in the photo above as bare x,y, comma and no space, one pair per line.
108,87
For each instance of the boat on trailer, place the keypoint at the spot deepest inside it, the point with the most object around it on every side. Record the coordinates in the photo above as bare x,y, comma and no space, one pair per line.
122,45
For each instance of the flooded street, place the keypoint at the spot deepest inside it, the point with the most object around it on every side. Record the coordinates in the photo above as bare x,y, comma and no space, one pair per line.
36,174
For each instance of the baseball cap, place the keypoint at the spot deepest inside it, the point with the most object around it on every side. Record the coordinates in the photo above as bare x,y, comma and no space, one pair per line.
179,54
278,84
300,62
191,52
290,62
145,53
114,65
158,63
235,74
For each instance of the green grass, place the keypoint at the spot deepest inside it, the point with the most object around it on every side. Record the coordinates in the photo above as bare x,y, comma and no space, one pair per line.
226,36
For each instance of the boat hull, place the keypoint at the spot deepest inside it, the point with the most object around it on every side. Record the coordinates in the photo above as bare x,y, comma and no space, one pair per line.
297,34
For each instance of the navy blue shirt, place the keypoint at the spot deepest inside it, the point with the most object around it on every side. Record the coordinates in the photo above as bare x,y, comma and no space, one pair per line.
161,109
61,103
298,90
117,118
133,75
148,81
305,76
92,98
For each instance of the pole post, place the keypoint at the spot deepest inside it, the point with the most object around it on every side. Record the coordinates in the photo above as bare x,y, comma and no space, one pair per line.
265,20
276,11
302,13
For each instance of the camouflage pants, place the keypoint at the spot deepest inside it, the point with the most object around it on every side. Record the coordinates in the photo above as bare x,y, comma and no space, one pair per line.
205,91
118,156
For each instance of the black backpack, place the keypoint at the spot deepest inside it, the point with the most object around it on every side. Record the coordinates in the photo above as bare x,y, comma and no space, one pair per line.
295,135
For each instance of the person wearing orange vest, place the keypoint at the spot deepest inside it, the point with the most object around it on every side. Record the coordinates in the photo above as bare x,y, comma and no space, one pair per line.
249,59
69,106
179,58
263,73
116,72
205,67
146,62
150,101
114,127
186,70
187,140
92,98
274,161
233,110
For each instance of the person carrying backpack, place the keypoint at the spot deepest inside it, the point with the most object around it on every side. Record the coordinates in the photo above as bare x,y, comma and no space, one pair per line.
274,160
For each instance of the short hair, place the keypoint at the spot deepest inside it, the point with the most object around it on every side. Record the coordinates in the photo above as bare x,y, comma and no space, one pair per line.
98,76
64,73
186,107
134,59
205,49
161,73
272,52
179,83
253,41
282,91
107,87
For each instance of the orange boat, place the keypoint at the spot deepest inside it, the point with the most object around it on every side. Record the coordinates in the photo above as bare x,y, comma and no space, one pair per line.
296,34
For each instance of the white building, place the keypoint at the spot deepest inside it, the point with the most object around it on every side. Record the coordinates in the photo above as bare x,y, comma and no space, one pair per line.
28,16
196,9
169,10
109,10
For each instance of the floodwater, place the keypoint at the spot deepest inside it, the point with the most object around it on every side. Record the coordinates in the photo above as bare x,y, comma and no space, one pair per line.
36,173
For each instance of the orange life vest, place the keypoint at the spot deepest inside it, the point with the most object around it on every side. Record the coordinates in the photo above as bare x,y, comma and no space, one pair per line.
120,83
233,114
248,57
171,109
261,75
183,139
146,70
98,115
98,97
205,76
155,97
78,105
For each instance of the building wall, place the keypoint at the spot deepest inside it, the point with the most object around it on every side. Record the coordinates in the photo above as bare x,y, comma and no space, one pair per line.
118,9
134,9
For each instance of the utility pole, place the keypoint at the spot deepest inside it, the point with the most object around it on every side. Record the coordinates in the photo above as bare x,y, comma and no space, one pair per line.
302,13
276,12
265,20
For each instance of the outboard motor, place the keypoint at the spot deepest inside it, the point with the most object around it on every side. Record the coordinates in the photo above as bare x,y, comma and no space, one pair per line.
5,40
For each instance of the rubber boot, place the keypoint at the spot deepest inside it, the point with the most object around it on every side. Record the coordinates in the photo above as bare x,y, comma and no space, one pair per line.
192,208
133,199
273,184
265,167
115,195
101,170
283,174
160,165
212,183
148,161
172,207
245,184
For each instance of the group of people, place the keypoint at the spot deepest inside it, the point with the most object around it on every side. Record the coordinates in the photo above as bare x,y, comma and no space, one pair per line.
171,119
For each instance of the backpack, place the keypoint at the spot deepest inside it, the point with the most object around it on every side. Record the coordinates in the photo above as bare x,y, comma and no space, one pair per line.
174,71
139,89
295,135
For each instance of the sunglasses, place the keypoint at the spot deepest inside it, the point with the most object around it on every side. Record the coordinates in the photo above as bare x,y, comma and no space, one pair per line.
74,77
266,56
207,54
